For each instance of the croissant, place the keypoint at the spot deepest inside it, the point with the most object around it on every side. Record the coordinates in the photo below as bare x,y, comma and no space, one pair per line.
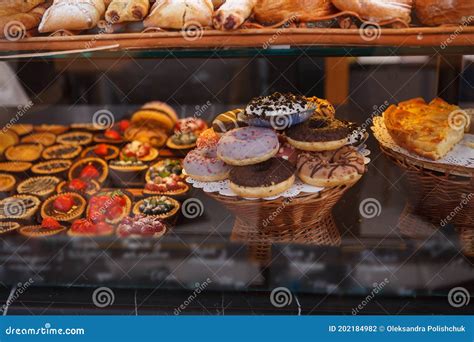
444,12
377,10
178,14
232,14
72,15
14,25
127,10
275,11
18,6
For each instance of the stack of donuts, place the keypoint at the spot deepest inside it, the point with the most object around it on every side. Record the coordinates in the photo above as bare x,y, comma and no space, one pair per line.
262,149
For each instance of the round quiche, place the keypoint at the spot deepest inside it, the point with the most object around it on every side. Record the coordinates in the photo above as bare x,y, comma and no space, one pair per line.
50,167
7,182
15,167
24,152
75,138
61,151
22,129
7,139
43,138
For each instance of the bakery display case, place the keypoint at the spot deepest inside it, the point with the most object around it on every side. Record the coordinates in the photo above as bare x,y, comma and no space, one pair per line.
266,153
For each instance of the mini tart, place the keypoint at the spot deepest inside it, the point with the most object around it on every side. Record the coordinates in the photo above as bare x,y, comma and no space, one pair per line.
165,216
7,139
38,186
74,233
108,205
55,129
22,129
97,163
92,188
21,207
48,210
152,155
43,138
130,173
171,144
112,152
178,192
75,138
87,126
24,152
7,227
141,227
162,164
15,167
61,151
49,167
7,182
40,231
101,138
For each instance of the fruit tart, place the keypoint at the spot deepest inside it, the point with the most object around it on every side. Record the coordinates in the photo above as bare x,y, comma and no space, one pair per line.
113,135
137,150
7,227
191,125
128,172
7,139
146,133
109,206
7,182
182,141
87,228
51,167
24,152
21,207
65,207
22,129
141,227
49,227
15,167
104,151
172,185
43,138
162,207
61,151
89,169
165,168
55,129
38,186
75,138
81,186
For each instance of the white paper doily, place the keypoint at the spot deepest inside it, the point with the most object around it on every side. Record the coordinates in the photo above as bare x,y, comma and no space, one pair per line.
298,187
461,155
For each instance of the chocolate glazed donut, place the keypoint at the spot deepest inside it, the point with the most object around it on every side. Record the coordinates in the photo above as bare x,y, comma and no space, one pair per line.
319,134
265,179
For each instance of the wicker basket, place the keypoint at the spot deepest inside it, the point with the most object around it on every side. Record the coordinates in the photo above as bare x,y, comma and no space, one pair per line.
305,219
439,197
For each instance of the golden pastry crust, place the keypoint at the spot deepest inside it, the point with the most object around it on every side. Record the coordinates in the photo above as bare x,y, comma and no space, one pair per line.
443,12
378,10
127,10
275,11
16,24
424,129
178,14
18,6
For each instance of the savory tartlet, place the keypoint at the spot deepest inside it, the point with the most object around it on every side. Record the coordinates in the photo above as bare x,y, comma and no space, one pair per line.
7,227
83,187
55,129
87,228
103,151
89,169
24,152
162,207
7,139
7,182
48,227
61,151
21,207
182,141
128,172
51,167
15,167
43,138
38,186
109,206
141,227
65,207
136,150
22,129
75,138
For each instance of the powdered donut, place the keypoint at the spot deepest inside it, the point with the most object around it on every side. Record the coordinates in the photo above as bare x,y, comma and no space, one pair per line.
203,165
247,146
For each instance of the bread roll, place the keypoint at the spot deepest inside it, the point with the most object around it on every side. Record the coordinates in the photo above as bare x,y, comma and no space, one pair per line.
72,15
12,7
445,12
275,11
127,10
377,10
232,14
10,27
178,14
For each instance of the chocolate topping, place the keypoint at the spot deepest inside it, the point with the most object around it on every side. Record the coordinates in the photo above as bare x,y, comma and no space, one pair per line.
267,173
228,121
320,129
